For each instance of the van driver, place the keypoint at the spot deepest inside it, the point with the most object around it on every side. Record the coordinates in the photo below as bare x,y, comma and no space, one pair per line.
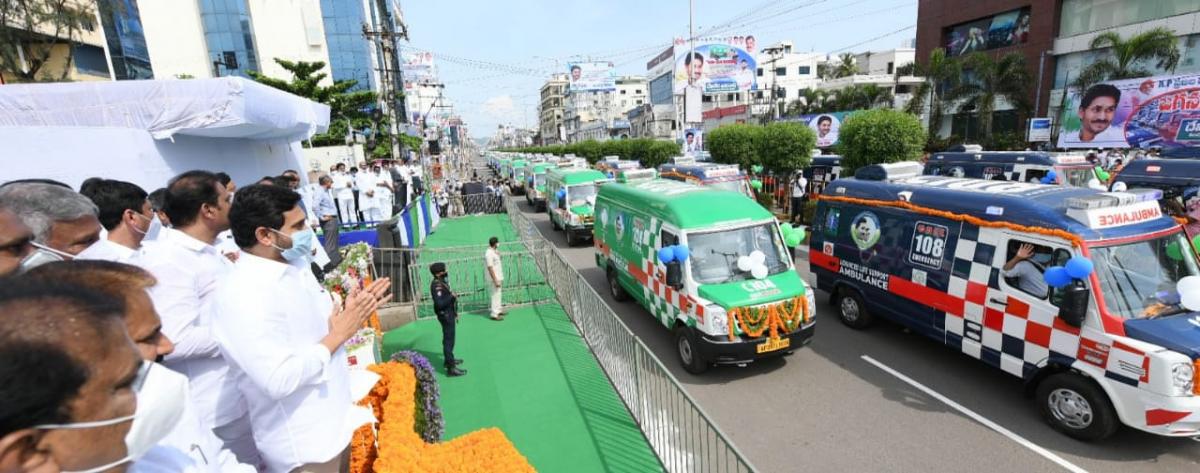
1028,274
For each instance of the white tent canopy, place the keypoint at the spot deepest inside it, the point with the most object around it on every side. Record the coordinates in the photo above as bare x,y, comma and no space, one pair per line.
147,131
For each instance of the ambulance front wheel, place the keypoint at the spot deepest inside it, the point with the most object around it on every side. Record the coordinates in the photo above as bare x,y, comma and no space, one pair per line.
1075,406
614,286
685,347
851,309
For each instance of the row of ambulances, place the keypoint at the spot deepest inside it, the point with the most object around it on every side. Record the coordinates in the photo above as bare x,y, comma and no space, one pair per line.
721,176
1100,320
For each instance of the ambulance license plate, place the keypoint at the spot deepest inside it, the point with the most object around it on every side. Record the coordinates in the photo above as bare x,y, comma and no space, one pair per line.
773,345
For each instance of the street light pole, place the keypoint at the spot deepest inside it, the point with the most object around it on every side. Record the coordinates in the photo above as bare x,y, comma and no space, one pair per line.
1037,104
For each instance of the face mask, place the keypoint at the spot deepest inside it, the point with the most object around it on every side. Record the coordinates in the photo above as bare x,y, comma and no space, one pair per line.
302,245
41,255
160,397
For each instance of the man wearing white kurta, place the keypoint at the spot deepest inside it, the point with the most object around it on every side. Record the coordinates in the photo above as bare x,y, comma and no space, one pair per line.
495,277
283,335
368,203
383,193
188,269
343,193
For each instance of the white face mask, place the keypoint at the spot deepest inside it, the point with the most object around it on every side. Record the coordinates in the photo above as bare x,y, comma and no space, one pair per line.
161,394
156,226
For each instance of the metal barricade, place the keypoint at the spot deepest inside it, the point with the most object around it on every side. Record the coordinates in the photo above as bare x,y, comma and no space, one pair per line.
474,204
523,283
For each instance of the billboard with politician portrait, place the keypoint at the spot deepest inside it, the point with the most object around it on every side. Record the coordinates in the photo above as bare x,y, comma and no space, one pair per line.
1161,111
717,67
591,76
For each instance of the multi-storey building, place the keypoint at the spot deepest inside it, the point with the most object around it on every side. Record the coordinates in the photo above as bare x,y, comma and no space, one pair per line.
551,109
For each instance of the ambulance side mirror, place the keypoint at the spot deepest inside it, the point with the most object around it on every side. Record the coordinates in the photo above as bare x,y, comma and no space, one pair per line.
1074,306
675,275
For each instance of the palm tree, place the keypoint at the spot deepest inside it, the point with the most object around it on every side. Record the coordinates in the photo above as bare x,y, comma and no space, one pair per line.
990,80
942,74
810,101
874,96
846,66
1126,56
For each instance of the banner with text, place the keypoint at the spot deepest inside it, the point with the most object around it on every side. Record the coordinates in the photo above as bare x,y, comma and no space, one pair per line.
725,66
1161,111
591,76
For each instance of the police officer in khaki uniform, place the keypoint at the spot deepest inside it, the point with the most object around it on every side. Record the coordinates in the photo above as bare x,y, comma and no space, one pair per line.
445,305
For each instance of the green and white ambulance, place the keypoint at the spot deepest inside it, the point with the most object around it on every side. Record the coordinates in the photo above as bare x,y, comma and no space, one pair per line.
710,265
516,183
572,194
535,184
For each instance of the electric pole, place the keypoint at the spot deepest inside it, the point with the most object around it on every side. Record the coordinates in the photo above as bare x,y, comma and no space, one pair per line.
383,34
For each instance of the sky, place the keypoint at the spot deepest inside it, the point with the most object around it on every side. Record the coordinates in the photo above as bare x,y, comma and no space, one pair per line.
494,55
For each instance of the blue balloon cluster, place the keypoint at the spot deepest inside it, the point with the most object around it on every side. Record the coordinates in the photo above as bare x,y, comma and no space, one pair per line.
1050,178
678,253
1076,268
561,193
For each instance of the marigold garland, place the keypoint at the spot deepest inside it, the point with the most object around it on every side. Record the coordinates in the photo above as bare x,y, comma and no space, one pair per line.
396,445
774,318
1065,235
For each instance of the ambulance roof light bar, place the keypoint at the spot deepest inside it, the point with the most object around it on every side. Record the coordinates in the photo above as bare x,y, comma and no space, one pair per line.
636,175
889,171
683,160
612,159
1114,199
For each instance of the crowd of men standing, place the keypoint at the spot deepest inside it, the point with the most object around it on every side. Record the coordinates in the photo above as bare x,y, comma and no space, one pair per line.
179,330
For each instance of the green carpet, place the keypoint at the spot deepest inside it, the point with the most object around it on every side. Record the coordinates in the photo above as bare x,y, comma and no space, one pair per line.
534,378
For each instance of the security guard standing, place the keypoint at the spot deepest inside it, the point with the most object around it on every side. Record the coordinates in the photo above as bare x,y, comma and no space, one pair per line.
445,305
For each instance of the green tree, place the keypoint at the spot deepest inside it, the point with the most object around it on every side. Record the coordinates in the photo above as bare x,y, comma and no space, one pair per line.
942,74
785,146
658,152
33,32
845,66
734,144
347,108
1125,58
990,80
879,136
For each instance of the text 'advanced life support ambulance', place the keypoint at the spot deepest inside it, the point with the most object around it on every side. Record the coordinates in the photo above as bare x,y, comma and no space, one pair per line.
711,265
1093,316
573,192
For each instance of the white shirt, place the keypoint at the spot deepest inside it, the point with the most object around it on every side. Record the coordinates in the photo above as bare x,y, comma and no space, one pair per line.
270,320
1029,278
1111,136
107,250
188,272
366,182
342,188
225,243
799,187
492,258
207,451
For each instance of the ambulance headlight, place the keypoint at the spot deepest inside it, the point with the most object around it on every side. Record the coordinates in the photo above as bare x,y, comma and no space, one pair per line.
717,315
812,304
1182,377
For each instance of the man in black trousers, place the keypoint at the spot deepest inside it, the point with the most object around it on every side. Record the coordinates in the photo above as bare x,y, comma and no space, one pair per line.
445,305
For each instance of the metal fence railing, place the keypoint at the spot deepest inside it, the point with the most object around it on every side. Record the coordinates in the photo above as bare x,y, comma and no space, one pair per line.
683,437
522,285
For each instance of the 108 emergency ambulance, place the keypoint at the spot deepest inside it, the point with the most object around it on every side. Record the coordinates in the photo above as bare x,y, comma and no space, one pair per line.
1091,297
573,195
710,265
535,184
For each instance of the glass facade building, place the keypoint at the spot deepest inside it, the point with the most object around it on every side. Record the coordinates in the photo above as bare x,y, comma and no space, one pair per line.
1090,16
227,29
126,40
349,51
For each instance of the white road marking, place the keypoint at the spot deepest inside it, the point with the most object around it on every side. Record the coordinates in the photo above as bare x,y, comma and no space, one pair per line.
978,418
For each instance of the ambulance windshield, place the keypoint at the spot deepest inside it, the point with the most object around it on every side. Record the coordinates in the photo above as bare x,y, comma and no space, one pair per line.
1076,176
1138,279
732,185
539,180
714,255
580,194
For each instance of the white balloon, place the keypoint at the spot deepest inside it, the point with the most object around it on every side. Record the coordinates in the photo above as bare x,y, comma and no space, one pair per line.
1095,184
757,257
1188,285
759,272
1190,301
1119,187
744,263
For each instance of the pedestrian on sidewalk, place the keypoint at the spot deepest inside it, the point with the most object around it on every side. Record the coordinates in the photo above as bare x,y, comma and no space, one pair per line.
495,277
445,305
799,191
